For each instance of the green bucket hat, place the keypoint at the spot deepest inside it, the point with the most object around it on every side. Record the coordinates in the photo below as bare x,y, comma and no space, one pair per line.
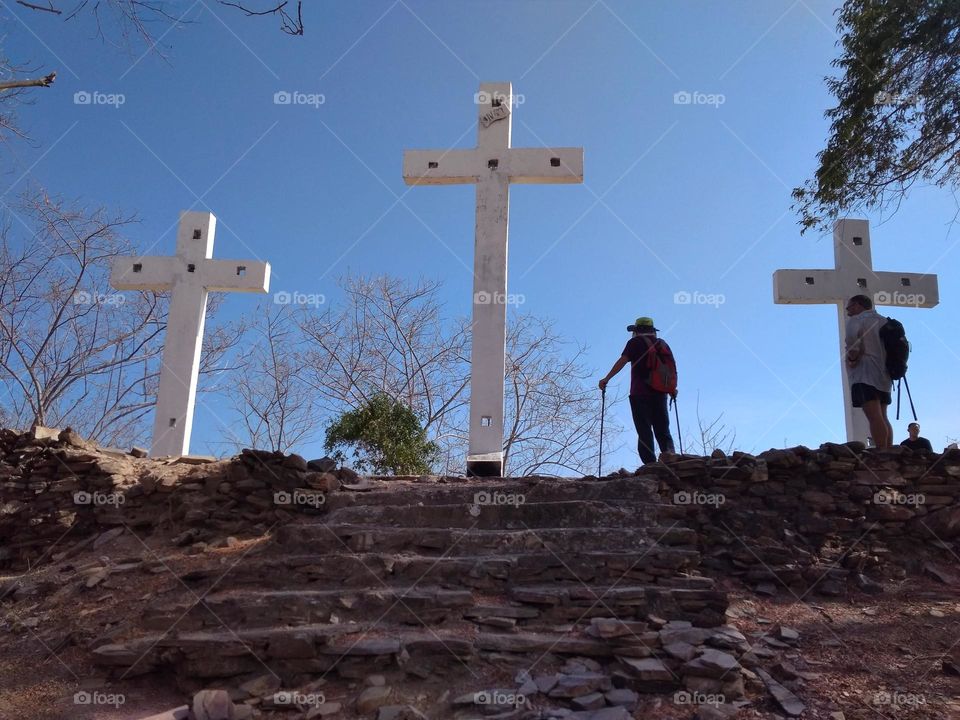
641,324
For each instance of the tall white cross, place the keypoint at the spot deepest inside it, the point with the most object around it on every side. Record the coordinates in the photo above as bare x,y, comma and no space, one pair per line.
189,276
492,166
854,275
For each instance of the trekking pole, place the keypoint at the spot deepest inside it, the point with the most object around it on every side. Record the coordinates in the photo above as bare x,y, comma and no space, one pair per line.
603,405
909,397
676,414
898,400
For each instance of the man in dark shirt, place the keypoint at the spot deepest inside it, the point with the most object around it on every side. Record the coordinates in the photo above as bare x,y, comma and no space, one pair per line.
915,442
649,407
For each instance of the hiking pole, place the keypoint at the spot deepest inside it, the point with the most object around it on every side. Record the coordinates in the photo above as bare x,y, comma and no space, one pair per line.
676,414
909,397
603,405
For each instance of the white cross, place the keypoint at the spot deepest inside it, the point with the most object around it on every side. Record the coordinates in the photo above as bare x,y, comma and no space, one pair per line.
493,165
854,275
189,276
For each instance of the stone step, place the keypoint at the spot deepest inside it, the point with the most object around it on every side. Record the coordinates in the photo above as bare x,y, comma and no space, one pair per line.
621,490
338,537
500,515
352,651
652,565
543,605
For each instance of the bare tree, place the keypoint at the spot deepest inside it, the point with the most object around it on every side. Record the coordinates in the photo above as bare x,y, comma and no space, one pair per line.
390,336
268,391
713,435
552,422
73,351
126,24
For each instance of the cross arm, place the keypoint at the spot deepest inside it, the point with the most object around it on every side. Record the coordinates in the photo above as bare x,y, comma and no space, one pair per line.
904,289
807,287
545,165
441,167
236,276
816,287
144,273
522,165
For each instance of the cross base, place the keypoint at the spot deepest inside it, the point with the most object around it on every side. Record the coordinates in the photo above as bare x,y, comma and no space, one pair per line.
488,465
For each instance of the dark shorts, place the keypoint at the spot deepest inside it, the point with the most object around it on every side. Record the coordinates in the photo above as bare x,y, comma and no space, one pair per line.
861,393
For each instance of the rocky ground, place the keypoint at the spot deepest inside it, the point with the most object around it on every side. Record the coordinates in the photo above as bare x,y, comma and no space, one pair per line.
208,593
863,656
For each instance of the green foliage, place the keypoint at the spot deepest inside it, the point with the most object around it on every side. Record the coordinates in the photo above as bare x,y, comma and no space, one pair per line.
897,118
385,436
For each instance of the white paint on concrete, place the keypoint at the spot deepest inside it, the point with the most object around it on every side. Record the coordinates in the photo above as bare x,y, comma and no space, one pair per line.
492,166
853,275
189,276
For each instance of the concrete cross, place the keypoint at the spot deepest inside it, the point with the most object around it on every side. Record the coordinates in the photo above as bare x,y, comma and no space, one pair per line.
492,166
854,275
189,276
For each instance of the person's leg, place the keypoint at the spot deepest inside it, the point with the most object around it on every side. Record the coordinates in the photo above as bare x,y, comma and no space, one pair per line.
877,418
886,421
641,421
660,415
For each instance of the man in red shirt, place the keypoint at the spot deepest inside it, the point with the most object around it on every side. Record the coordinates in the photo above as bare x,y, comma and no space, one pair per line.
649,407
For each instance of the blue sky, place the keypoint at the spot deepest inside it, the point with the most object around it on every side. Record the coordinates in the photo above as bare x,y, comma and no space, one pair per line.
676,198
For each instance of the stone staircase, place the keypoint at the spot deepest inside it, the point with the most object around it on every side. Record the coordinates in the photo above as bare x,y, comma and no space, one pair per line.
420,579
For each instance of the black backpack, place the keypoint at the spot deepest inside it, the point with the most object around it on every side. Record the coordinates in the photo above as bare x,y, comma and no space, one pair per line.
897,351
897,348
